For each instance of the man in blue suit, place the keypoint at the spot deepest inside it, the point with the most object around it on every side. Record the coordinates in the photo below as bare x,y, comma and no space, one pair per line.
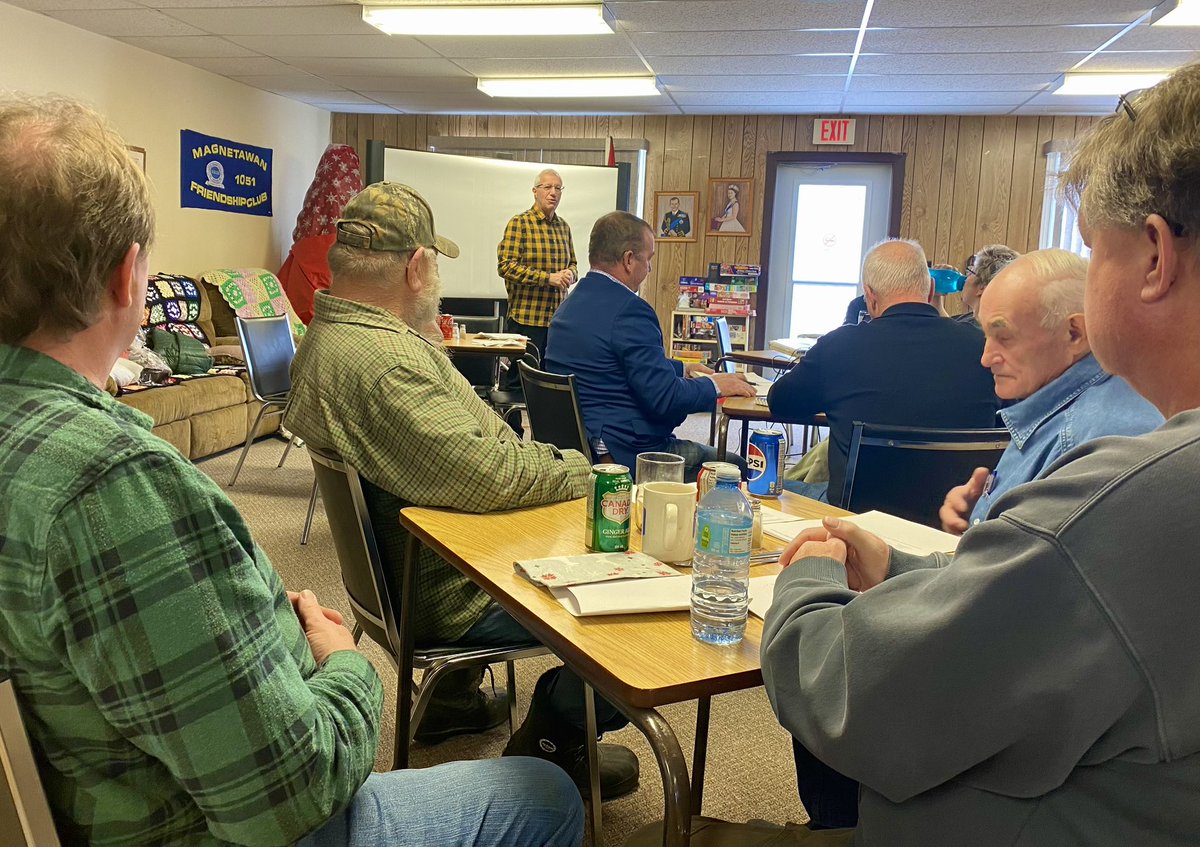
631,395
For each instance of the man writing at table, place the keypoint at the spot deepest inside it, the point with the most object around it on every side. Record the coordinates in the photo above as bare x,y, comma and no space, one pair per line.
1041,687
367,386
536,258
631,395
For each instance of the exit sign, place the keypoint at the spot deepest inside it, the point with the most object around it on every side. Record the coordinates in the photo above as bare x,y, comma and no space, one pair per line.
833,131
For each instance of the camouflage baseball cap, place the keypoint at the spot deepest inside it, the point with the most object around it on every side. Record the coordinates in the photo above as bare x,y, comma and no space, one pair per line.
391,216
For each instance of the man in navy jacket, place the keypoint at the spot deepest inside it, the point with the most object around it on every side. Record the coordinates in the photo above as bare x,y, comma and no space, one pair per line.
907,367
631,395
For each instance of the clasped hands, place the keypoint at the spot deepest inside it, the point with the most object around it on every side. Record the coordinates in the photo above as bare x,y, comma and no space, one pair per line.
562,279
867,557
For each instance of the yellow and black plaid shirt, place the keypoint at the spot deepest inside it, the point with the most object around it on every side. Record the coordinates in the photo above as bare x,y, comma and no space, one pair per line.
531,250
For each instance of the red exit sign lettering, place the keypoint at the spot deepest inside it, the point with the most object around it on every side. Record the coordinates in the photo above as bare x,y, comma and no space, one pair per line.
833,131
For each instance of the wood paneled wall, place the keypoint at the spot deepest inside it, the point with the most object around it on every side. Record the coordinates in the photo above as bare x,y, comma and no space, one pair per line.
968,181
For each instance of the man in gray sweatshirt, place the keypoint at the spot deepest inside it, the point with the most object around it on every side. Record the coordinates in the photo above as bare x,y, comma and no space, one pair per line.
1042,688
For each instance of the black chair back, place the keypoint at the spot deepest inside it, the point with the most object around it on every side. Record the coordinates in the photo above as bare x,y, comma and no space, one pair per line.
906,471
269,348
358,551
553,409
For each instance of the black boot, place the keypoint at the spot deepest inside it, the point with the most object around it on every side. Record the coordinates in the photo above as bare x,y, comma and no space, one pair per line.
459,707
545,736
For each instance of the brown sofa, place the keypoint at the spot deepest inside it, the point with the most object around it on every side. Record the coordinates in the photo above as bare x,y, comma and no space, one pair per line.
205,416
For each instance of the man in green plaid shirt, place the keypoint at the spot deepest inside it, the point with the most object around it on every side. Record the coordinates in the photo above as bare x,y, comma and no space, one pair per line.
537,260
173,692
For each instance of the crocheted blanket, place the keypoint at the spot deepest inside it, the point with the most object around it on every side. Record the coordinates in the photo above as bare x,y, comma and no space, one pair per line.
254,293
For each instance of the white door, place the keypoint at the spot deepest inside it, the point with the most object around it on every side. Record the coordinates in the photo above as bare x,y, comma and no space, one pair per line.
826,216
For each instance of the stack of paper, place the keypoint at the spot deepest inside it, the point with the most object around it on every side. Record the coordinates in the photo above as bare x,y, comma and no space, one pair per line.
902,534
667,594
793,346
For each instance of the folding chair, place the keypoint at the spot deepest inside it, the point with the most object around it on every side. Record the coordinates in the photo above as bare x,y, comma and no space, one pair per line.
268,348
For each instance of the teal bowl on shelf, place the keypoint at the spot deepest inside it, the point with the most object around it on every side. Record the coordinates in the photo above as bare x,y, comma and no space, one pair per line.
947,280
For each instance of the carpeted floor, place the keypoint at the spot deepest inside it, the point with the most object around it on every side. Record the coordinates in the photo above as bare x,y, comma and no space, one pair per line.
750,772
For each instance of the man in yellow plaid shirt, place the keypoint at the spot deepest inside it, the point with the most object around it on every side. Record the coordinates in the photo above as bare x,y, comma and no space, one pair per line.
537,260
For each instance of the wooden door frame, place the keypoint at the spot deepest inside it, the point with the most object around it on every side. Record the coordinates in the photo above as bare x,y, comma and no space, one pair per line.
774,160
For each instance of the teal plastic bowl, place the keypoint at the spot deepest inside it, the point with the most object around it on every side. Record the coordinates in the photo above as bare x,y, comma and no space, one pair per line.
947,280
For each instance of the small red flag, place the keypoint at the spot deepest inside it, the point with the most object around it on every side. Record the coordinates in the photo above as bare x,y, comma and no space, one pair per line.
610,153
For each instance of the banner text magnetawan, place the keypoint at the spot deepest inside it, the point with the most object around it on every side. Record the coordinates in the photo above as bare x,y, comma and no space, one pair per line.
215,173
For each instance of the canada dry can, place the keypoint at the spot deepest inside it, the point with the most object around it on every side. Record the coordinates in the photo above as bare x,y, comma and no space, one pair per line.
764,463
608,509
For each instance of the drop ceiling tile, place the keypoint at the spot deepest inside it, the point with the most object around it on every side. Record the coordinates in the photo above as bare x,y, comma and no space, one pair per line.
245,66
583,46
752,65
920,100
725,15
301,20
966,63
348,98
552,67
325,67
355,108
239,4
797,100
405,83
1005,39
1031,12
373,45
190,46
123,22
734,43
1146,37
64,5
1115,60
420,102
776,82
951,82
294,85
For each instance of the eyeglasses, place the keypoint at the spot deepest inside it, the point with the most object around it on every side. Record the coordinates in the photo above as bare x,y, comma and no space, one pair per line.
546,187
1125,101
970,268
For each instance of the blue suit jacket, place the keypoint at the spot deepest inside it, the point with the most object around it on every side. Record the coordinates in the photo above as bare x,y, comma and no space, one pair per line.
631,395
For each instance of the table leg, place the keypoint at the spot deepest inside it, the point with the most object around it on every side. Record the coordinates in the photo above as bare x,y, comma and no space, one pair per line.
595,823
723,438
677,820
745,438
700,754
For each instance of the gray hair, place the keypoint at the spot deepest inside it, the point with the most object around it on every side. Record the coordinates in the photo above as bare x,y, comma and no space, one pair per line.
896,267
991,260
538,179
1129,167
1062,275
378,268
613,235
72,203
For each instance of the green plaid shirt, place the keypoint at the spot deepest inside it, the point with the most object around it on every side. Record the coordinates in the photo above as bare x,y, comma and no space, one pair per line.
391,404
167,686
531,250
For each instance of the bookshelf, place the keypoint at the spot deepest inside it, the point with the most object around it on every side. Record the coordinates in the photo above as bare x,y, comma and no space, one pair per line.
727,292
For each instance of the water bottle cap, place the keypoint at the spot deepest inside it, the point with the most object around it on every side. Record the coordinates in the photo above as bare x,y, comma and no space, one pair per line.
728,472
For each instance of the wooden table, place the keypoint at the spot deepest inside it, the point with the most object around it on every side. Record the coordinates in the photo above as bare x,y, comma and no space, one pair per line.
745,409
637,661
470,345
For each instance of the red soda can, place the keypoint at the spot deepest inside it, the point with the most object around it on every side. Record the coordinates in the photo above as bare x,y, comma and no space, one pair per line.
446,325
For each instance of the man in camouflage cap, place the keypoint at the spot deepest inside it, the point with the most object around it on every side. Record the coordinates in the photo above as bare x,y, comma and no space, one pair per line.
367,385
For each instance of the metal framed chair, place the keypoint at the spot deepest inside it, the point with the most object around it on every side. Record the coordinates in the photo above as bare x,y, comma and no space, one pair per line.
554,416
386,619
25,817
906,471
268,347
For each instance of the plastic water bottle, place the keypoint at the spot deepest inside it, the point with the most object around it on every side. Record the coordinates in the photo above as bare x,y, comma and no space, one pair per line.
721,564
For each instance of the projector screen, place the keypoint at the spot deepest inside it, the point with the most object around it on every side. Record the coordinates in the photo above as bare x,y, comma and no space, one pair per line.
473,199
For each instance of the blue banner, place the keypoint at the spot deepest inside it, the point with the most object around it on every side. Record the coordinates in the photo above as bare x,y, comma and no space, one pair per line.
215,173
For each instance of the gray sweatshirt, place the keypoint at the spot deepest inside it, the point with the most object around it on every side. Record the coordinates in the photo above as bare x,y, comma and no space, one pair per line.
1041,689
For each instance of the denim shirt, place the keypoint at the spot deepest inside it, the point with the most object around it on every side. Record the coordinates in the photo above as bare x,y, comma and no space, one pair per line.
1084,402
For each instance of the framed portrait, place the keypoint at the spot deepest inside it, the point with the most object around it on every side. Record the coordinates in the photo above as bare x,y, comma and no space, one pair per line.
676,215
730,206
138,154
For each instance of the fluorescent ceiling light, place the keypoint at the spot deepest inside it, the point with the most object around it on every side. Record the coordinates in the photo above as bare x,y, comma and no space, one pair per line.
1176,13
579,19
589,86
1110,85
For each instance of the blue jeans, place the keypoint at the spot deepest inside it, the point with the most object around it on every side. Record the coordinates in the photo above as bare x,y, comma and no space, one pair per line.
814,490
696,454
492,802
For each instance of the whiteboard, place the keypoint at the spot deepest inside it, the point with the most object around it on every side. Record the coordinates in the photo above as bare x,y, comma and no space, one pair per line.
473,199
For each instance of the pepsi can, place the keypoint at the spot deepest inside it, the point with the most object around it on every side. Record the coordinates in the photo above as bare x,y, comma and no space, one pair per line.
764,463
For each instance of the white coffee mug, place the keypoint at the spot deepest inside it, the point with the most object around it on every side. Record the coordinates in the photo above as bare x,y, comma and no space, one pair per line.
670,515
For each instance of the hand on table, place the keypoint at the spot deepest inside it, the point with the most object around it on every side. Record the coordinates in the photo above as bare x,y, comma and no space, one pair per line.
960,501
733,385
324,628
696,369
866,556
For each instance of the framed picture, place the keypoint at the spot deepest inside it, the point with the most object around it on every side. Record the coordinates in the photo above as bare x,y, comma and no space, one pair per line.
138,154
730,206
675,215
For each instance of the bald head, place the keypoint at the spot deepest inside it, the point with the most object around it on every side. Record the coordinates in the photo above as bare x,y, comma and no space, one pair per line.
895,271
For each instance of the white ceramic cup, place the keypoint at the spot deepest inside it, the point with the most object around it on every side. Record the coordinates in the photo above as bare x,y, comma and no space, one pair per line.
670,516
